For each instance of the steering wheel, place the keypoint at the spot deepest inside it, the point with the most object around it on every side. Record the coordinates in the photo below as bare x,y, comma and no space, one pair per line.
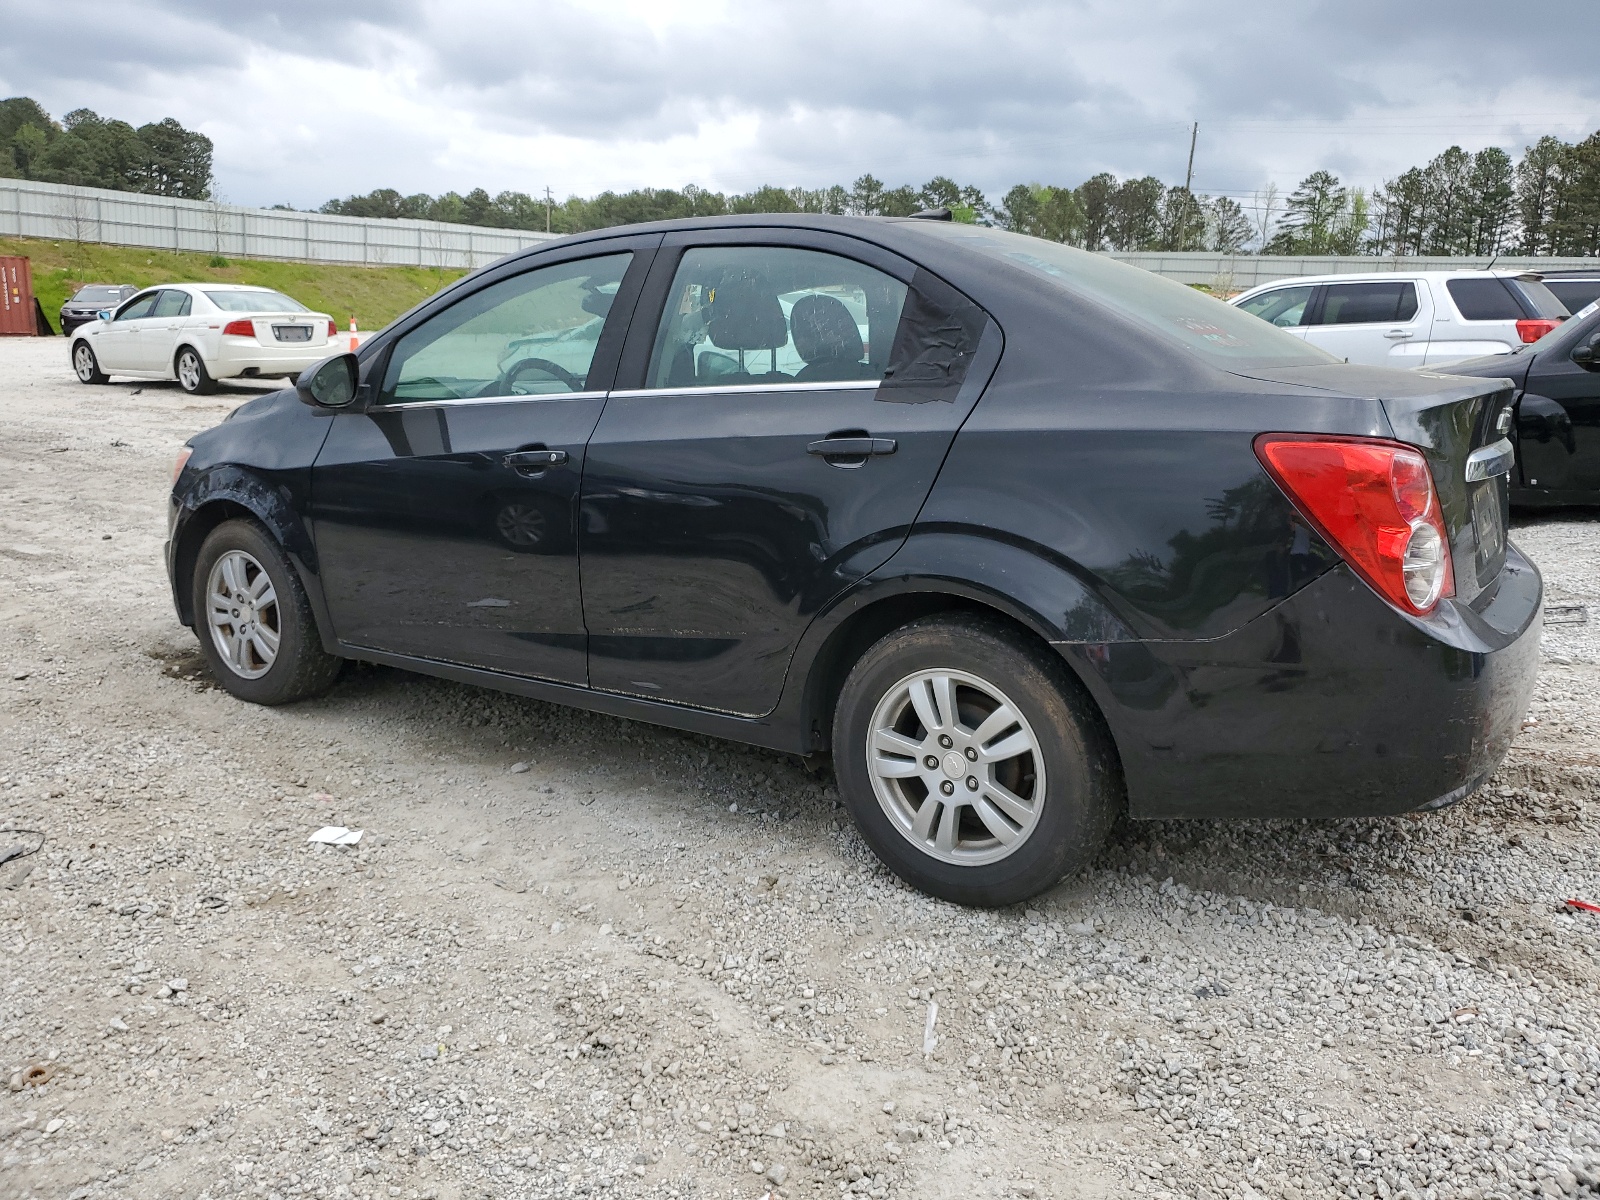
518,369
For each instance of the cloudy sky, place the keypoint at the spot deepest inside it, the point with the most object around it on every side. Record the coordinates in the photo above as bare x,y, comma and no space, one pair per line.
307,99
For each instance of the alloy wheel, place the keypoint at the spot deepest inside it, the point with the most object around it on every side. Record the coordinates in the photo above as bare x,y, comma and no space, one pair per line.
246,625
956,767
189,370
83,363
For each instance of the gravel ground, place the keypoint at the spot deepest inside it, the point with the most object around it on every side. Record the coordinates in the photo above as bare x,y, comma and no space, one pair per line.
577,956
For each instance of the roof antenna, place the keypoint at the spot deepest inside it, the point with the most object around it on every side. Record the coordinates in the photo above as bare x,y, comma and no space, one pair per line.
1492,262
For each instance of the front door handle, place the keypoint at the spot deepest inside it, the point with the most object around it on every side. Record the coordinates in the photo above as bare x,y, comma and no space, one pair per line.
1397,334
852,447
537,460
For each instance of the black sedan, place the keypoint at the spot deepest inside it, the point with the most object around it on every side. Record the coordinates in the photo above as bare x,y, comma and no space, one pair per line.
1557,429
89,301
1021,536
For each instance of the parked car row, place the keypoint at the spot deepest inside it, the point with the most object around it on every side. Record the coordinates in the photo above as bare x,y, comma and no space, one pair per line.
1415,319
198,333
1022,536
1484,324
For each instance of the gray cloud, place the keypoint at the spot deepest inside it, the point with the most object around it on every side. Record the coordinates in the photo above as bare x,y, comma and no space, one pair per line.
307,100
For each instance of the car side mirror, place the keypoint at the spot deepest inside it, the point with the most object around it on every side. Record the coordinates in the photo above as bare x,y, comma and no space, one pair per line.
1588,355
104,314
330,383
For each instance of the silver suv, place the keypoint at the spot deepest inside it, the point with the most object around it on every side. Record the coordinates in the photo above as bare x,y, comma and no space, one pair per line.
1410,318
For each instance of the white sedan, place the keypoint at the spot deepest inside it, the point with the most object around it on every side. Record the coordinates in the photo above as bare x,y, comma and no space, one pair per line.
198,333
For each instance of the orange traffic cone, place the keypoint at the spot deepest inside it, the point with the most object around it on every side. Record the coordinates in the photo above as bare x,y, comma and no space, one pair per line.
353,341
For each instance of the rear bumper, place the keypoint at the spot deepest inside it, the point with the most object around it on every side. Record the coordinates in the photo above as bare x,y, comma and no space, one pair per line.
255,359
1330,705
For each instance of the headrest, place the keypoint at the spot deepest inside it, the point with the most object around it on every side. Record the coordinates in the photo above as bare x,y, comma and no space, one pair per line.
824,331
744,314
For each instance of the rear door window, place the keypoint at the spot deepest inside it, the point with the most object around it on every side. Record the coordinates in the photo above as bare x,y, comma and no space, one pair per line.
1368,303
774,315
1284,307
173,304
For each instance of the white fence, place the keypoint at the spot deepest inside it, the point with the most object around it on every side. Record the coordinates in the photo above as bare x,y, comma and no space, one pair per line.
49,210
1236,272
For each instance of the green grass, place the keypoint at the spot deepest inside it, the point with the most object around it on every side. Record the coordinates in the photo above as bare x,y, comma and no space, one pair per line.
373,295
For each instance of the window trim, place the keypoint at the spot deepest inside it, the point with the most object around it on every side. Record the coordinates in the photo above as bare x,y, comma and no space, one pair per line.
741,389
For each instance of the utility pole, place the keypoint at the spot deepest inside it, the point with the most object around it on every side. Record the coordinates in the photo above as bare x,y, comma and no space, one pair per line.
549,200
1188,176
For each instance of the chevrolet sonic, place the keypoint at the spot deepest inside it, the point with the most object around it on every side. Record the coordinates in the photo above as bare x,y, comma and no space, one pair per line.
1021,536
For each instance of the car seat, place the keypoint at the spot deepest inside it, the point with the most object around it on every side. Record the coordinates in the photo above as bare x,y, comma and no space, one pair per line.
827,337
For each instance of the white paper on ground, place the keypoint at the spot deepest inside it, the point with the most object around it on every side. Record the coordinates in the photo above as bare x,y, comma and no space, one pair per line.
336,835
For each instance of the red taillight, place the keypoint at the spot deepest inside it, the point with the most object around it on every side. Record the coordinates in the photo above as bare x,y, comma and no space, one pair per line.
1374,502
333,330
1534,328
240,329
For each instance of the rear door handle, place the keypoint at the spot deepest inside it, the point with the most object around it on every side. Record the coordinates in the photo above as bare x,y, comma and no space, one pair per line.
852,447
522,460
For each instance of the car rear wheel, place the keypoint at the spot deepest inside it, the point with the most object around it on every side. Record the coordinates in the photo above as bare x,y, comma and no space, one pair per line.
192,374
254,622
972,763
86,366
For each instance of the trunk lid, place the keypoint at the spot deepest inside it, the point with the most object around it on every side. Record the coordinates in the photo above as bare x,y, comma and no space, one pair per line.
1457,424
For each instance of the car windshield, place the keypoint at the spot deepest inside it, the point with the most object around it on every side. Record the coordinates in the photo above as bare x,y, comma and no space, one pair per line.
252,302
1217,332
99,294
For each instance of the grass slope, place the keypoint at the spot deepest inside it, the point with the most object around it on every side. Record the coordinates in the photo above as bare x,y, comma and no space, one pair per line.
373,295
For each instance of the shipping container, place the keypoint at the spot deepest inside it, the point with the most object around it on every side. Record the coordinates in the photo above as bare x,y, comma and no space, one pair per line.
17,317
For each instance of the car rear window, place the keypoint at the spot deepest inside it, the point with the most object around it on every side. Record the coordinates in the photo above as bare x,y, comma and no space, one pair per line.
1503,299
248,302
1538,299
1574,293
1226,336
1368,303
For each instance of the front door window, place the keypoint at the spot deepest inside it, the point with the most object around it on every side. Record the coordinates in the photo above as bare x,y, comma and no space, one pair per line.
530,335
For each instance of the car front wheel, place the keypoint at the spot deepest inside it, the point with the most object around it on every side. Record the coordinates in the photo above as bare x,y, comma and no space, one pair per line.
192,374
86,366
972,762
254,621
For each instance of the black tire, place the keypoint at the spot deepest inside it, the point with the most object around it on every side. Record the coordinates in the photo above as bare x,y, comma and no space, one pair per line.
301,668
1074,805
191,373
85,365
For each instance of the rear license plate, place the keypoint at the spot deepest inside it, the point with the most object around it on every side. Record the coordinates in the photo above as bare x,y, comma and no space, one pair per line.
1486,517
292,333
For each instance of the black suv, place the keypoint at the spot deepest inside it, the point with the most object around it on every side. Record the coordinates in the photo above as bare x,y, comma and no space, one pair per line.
90,300
1576,288
1020,535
